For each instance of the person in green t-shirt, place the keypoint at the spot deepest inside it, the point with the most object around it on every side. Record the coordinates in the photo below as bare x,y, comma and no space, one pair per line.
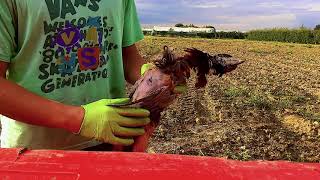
67,60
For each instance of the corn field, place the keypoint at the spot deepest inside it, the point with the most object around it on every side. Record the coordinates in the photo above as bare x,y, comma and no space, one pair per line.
302,35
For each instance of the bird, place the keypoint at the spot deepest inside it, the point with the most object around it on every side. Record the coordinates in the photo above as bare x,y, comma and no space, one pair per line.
154,91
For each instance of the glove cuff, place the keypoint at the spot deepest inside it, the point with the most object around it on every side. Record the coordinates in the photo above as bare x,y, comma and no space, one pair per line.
83,120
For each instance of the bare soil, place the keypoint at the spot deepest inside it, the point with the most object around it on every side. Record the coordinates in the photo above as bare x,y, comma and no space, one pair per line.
268,109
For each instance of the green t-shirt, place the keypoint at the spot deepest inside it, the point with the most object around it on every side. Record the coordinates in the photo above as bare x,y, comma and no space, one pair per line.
68,51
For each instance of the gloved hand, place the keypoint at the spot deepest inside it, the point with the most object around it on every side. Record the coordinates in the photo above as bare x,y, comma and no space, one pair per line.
112,125
180,89
146,67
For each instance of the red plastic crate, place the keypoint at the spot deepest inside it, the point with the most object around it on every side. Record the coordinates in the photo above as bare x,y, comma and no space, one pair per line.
56,165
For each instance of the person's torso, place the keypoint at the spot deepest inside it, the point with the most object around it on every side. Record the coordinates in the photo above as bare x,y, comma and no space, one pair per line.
69,48
68,51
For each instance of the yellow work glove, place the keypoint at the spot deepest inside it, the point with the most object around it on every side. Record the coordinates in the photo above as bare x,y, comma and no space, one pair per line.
180,89
146,67
113,125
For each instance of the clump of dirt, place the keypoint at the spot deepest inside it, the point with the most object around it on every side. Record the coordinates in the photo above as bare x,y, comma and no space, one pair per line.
318,95
298,124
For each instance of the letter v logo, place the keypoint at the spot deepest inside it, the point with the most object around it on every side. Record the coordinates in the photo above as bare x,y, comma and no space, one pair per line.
67,39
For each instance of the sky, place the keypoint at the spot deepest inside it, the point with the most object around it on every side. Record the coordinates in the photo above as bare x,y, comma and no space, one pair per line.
242,15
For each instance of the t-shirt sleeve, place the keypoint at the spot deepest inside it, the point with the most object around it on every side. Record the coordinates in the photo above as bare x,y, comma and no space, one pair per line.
7,30
132,31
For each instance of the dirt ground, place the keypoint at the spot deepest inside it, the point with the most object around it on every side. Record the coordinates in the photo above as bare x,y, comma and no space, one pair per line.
268,109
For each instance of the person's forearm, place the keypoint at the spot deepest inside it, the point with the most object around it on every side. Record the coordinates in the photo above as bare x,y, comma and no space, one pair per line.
132,63
22,105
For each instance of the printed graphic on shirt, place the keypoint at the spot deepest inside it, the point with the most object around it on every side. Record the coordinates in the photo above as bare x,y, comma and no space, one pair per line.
76,51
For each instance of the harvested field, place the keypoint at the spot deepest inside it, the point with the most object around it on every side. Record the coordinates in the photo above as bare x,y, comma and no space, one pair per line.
267,109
